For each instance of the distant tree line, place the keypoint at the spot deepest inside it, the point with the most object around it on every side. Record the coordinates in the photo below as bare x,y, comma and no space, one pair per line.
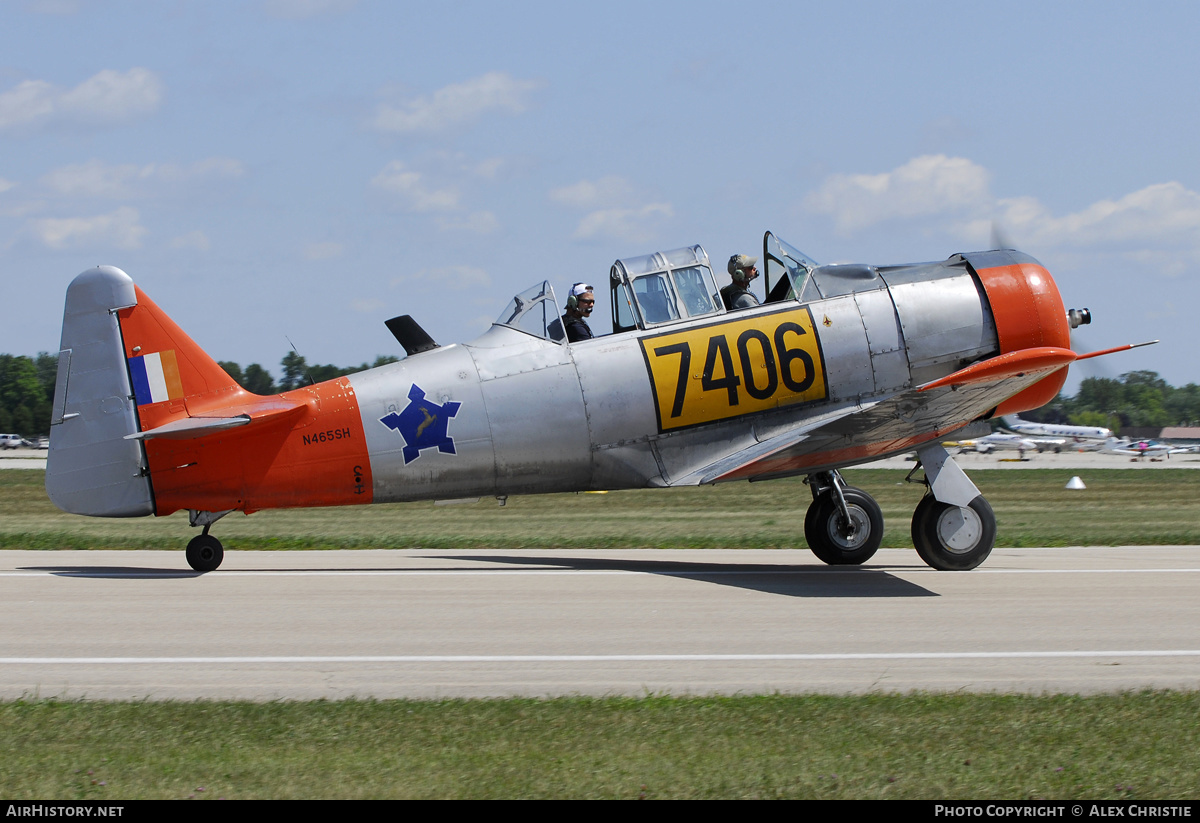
1136,399
296,373
26,392
1139,398
27,385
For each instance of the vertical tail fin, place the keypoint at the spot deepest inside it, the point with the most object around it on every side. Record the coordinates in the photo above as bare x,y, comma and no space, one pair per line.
124,367
91,468
171,376
145,422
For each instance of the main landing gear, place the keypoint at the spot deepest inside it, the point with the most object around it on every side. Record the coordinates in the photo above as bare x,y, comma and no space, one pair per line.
205,552
844,525
953,538
953,527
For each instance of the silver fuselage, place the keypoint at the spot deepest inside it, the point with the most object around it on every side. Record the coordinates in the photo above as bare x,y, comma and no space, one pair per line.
538,416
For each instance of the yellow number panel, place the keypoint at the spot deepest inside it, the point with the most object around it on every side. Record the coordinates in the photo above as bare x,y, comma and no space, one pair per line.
735,367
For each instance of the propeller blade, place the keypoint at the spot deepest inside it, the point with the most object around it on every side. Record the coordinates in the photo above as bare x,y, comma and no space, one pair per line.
999,237
1126,347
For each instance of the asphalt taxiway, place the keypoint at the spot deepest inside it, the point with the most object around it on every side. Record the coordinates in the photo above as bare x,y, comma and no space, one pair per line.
970,460
423,624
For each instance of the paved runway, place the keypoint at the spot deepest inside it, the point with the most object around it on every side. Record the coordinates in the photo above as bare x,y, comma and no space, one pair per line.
970,460
269,625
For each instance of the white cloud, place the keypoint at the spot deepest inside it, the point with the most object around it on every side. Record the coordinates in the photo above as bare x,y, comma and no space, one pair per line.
924,186
412,189
585,194
120,182
416,194
1164,213
612,214
1171,263
21,209
489,169
30,101
323,251
1158,226
96,179
195,240
457,104
455,278
105,98
480,222
636,225
462,278
5,185
208,167
119,229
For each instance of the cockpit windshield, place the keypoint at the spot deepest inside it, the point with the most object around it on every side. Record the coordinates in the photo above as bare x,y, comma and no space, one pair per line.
534,311
667,286
790,269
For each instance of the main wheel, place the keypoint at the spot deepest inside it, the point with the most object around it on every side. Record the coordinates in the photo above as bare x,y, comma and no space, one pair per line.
832,539
953,538
205,553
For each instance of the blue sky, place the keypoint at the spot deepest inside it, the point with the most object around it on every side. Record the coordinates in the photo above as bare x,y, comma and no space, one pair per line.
305,169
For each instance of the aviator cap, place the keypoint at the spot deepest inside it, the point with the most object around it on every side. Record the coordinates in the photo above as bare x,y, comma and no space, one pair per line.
740,262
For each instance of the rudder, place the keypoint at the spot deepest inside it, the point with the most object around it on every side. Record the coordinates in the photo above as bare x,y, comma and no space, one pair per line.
91,468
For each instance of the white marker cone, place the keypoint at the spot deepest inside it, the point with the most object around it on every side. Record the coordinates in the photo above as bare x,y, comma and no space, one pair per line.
1075,483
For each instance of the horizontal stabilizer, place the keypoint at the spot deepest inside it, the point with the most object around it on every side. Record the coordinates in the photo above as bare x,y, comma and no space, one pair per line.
190,427
260,411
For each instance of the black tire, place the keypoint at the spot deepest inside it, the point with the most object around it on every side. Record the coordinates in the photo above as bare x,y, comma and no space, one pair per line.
824,528
953,538
205,553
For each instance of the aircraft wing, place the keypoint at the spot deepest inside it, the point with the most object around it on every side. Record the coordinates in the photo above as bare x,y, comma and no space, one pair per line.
862,433
717,470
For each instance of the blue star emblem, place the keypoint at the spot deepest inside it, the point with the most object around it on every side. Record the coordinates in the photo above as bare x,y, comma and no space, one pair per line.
423,424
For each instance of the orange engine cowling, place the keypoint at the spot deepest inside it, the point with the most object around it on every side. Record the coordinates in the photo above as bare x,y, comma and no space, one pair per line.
1029,313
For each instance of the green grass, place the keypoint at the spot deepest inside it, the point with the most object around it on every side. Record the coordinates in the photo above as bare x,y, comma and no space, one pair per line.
1119,507
1140,745
960,746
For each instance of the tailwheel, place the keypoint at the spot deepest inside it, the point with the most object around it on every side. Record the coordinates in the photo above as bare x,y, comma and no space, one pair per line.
953,538
839,541
205,553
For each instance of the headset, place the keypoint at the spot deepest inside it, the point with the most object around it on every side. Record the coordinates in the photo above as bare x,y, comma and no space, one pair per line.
573,299
741,276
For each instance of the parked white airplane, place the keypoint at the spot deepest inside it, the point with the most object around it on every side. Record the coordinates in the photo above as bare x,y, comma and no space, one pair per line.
1143,448
1056,430
999,440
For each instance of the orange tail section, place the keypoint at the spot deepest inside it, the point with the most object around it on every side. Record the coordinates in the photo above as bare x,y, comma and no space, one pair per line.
212,446
172,377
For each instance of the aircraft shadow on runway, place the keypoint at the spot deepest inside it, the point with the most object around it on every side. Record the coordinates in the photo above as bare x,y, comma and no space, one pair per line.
785,579
115,572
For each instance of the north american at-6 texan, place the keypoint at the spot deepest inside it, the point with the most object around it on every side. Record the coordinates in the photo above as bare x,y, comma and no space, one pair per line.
841,365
